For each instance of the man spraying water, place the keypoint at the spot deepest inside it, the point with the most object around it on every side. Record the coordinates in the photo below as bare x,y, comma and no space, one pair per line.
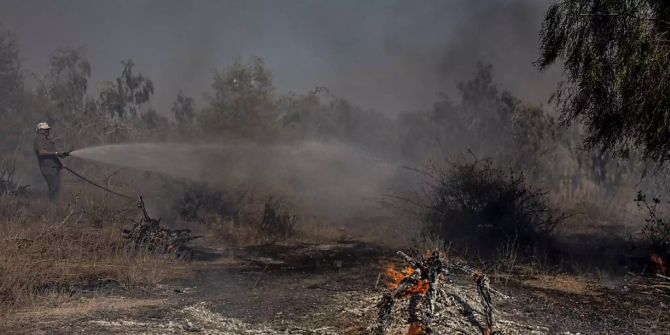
48,159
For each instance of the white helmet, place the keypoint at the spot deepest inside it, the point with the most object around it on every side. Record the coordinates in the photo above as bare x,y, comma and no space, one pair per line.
42,126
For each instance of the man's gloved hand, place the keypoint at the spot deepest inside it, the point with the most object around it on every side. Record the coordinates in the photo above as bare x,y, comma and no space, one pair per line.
63,154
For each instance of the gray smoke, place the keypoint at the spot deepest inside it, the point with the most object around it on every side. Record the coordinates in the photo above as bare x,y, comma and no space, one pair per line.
389,55
331,178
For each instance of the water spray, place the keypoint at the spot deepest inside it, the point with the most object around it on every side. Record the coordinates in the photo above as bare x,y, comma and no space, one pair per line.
329,178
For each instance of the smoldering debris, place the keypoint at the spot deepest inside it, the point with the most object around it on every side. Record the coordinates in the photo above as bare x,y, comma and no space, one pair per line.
437,306
147,234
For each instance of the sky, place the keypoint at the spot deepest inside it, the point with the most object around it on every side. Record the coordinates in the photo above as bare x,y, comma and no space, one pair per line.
387,55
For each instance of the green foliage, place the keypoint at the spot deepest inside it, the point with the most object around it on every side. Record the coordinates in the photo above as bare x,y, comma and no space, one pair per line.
124,97
478,206
488,121
615,57
69,72
154,121
243,101
11,74
321,115
534,141
183,109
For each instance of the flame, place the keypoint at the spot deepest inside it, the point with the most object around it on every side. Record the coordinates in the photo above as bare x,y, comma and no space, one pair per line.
415,329
396,277
658,263
421,287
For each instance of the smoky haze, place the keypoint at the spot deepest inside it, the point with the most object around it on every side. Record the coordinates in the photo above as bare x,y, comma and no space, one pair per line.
332,179
388,55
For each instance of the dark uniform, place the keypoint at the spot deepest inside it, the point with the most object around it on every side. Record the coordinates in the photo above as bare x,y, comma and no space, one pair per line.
50,164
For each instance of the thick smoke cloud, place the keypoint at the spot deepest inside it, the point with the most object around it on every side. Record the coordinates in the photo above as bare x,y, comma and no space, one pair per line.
388,55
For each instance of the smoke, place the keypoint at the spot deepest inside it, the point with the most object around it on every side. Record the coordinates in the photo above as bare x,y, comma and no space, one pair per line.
389,55
331,179
392,56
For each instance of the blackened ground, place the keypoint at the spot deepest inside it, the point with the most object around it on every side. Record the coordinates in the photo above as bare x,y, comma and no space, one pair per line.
332,289
289,283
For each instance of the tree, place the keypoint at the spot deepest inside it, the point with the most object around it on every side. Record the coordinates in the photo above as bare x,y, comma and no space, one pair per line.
154,121
69,71
485,111
126,96
183,109
615,57
243,100
11,75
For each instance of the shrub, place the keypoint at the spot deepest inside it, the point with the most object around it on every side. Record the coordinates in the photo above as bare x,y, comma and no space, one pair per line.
198,201
277,223
8,185
656,229
477,206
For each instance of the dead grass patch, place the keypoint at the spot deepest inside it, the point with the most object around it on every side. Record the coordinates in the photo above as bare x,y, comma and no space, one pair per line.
560,283
48,252
81,307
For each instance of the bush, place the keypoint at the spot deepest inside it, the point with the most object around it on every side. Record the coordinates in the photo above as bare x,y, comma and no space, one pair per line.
8,186
199,201
478,207
277,222
656,230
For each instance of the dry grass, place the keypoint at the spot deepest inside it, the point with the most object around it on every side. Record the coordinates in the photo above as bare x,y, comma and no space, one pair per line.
47,251
563,283
80,307
220,231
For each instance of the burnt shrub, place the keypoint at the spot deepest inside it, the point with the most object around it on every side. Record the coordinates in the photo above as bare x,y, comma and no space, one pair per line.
477,208
8,186
277,222
199,201
656,229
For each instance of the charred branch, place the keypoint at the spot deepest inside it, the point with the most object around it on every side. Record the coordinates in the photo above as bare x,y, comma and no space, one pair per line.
420,282
147,234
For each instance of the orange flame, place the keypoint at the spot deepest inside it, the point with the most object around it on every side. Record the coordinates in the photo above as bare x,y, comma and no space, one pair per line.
658,263
421,287
396,277
415,329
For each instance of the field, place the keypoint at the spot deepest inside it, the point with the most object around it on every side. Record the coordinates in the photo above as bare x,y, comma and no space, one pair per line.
67,276
332,289
398,174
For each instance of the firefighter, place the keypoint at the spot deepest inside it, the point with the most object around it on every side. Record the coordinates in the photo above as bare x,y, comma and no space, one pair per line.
49,159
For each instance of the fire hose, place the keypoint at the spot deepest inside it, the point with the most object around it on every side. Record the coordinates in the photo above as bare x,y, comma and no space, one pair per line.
98,185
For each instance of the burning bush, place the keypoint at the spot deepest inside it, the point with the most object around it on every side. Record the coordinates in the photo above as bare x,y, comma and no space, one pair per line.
476,206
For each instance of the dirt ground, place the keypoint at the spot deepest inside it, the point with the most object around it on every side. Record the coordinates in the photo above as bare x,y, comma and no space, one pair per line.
334,289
